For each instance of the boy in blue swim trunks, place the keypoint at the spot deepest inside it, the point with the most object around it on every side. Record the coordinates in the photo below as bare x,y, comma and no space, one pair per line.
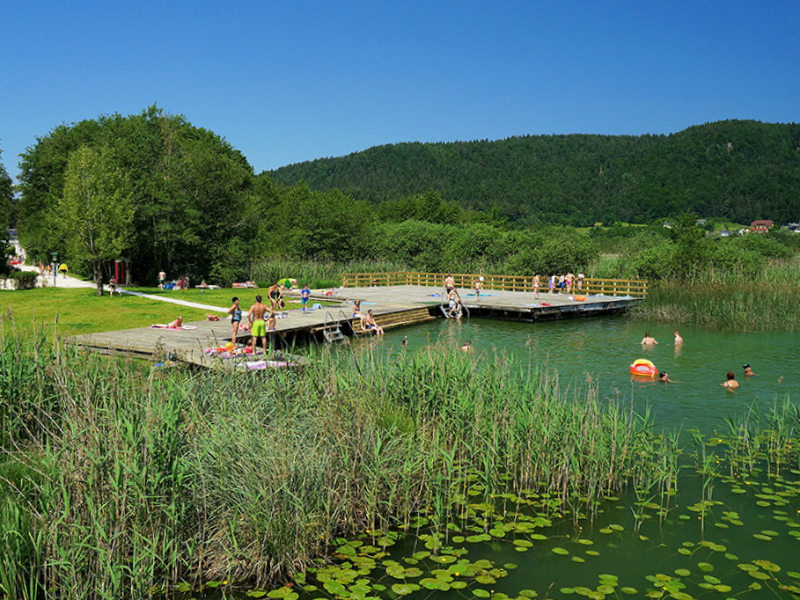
305,294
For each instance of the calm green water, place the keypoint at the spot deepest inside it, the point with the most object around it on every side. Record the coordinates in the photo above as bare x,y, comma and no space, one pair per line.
744,542
601,350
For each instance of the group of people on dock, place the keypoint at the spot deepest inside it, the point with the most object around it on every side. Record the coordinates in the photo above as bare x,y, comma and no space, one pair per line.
367,321
263,318
556,284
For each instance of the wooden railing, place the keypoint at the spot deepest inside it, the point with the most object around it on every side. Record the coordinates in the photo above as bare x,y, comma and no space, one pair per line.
636,288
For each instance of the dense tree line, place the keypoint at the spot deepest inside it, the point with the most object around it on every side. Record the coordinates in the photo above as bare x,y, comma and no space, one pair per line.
167,195
738,170
187,186
7,216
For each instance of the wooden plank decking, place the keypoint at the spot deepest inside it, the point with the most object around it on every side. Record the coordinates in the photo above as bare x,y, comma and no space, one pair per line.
393,306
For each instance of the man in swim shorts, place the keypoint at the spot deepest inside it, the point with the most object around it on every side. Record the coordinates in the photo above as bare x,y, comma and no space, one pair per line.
305,294
449,284
258,327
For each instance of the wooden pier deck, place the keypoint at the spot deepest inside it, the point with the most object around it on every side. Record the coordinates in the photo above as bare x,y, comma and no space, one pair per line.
392,306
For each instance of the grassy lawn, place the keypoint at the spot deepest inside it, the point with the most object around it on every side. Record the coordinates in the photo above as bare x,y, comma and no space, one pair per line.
80,311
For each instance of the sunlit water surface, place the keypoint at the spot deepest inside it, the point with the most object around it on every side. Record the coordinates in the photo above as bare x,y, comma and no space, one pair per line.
746,546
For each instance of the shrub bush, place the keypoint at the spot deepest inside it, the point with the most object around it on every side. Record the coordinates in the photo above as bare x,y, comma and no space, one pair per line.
24,280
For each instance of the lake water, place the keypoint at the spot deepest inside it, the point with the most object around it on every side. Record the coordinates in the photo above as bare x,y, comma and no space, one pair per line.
602,350
745,542
722,537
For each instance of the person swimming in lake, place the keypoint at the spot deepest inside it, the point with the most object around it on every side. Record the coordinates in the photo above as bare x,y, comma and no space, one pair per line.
730,382
678,339
648,340
664,377
748,372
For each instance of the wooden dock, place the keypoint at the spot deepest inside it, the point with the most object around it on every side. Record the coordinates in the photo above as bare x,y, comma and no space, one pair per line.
392,306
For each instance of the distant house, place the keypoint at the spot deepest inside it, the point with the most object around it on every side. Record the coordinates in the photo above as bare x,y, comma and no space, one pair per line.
762,226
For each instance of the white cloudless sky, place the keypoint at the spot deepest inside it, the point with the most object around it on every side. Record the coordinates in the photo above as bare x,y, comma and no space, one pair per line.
286,82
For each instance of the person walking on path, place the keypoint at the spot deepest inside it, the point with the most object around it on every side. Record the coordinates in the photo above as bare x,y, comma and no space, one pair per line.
258,327
63,270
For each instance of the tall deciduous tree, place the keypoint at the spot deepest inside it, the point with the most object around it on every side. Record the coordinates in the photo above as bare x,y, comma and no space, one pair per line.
95,214
6,197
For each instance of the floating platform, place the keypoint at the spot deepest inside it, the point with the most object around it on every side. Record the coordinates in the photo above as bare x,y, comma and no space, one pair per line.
392,306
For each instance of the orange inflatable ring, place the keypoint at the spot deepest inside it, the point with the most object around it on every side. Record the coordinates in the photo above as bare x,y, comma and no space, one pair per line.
643,367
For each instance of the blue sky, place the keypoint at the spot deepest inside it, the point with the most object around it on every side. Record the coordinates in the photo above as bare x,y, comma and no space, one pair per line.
286,82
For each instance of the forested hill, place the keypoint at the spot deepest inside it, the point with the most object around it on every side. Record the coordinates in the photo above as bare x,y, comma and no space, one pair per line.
739,170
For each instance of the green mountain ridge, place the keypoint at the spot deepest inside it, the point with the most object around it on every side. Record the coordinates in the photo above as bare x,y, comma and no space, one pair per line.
736,170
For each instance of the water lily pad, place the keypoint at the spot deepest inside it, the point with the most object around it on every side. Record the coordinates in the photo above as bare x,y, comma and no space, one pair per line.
705,567
767,565
480,593
567,591
682,572
528,593
559,550
629,590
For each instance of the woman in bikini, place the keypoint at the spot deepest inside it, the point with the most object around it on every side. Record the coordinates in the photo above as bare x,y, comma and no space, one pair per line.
236,318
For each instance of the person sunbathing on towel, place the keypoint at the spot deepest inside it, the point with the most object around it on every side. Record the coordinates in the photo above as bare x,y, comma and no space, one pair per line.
176,324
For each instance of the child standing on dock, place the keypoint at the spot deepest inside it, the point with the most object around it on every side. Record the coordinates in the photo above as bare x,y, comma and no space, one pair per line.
305,294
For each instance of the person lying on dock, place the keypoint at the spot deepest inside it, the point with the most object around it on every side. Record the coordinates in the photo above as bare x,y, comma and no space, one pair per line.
176,324
371,325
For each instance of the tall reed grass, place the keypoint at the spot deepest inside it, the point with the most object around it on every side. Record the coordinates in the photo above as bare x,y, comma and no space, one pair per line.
747,306
117,477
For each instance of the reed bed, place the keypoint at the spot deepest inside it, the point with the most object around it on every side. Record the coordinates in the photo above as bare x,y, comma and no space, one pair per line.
117,477
728,306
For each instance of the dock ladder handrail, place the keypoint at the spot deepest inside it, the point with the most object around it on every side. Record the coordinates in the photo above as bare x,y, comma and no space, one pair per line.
346,319
332,329
445,304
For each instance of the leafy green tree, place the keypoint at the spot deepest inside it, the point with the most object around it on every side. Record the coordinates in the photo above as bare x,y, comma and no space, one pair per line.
7,216
95,214
692,252
190,190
